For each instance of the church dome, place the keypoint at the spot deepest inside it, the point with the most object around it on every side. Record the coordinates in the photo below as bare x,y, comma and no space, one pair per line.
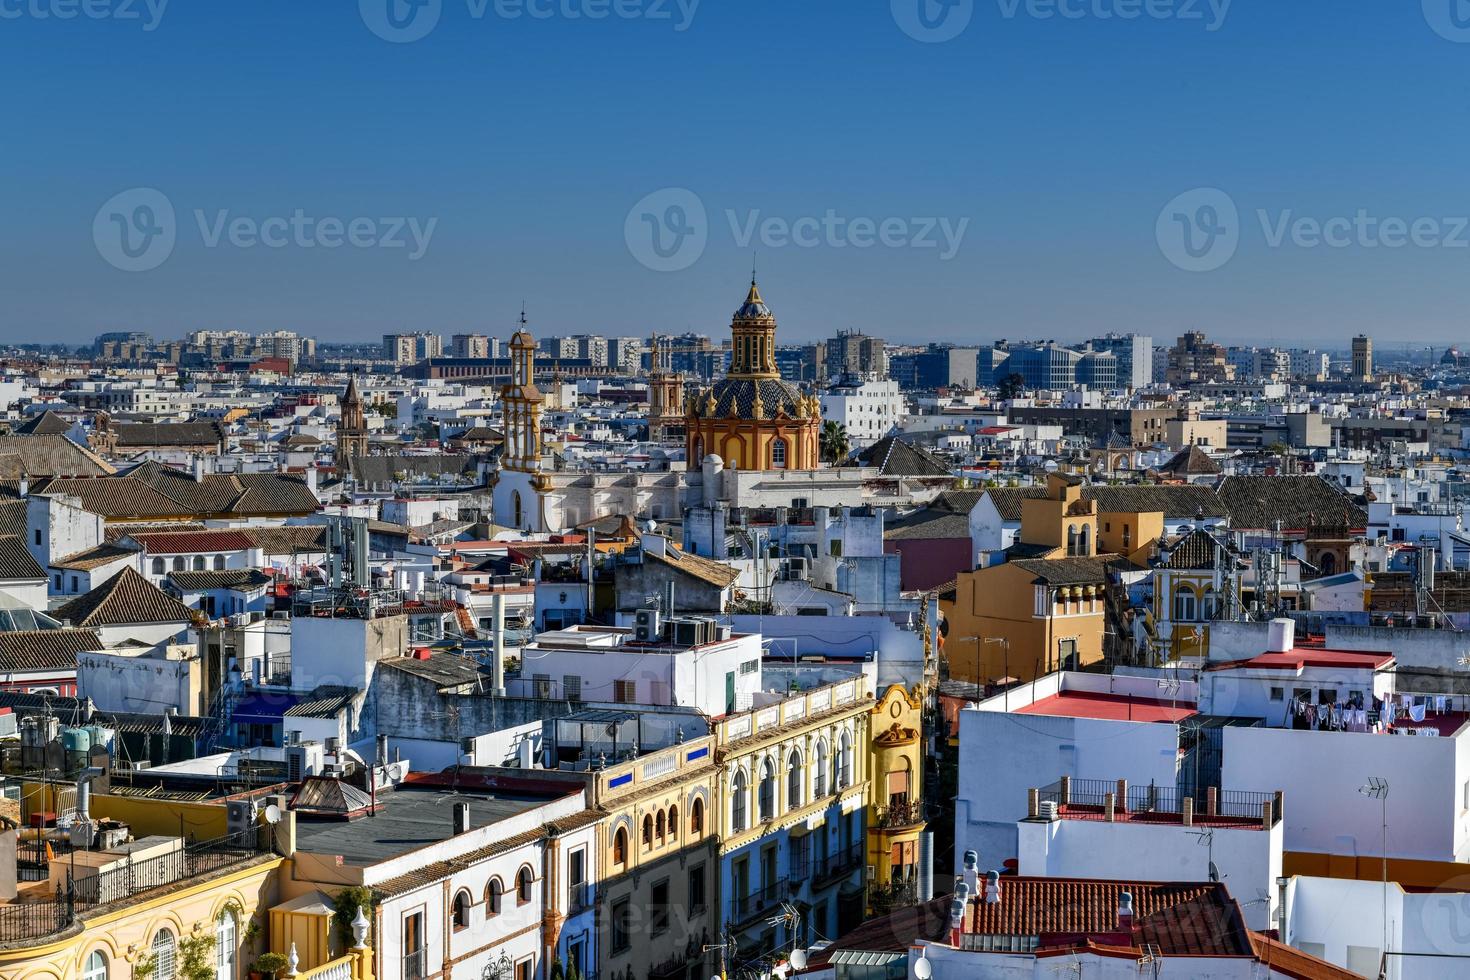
753,399
754,307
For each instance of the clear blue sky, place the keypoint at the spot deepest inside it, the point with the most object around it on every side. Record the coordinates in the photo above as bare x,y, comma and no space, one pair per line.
529,140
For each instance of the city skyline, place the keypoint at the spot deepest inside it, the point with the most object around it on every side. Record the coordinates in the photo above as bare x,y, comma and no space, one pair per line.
507,155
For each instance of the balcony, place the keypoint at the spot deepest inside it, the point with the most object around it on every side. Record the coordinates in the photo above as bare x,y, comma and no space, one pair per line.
1099,799
828,868
901,815
762,901
416,965
124,883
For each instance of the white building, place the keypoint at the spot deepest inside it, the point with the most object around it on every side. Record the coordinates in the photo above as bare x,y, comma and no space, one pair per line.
868,409
691,663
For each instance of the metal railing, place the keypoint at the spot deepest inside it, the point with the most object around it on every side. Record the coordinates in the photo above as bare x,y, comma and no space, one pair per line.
829,866
1087,799
762,900
416,965
907,813
37,920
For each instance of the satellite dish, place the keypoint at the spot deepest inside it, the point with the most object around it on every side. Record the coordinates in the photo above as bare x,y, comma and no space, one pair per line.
923,970
272,814
1214,872
798,959
651,526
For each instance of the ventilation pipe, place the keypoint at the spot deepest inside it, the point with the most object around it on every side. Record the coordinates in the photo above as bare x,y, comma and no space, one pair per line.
992,887
461,818
497,629
972,871
926,866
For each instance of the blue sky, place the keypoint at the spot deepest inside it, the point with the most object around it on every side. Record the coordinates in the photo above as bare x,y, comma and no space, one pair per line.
518,146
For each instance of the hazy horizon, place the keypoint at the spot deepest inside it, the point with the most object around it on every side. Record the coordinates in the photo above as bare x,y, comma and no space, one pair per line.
985,170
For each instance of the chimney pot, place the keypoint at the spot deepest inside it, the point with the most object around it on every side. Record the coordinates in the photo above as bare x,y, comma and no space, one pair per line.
461,818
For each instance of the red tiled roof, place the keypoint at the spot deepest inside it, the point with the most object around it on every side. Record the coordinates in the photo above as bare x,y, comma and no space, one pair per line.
1180,918
195,542
1108,707
1299,657
1282,958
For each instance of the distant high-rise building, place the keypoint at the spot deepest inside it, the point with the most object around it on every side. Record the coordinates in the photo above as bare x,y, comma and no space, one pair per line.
1135,354
411,348
852,354
1196,360
1362,358
940,366
469,345
1309,365
1044,365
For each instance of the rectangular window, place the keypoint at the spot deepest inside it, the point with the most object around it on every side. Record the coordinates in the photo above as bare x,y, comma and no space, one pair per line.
622,936
659,907
698,890
415,956
625,692
1278,694
38,536
523,969
750,667
577,878
571,687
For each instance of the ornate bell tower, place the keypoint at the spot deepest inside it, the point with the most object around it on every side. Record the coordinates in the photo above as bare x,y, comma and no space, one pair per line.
665,395
521,404
352,432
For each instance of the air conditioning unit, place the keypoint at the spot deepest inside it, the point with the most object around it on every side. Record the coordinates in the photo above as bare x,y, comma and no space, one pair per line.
796,570
687,632
239,817
646,626
304,761
1047,810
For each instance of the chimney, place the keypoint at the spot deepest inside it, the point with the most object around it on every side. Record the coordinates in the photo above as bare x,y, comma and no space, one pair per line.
992,887
461,818
972,871
957,913
1125,912
382,759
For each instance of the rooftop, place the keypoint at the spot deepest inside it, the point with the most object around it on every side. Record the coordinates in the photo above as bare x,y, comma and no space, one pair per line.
1109,707
1298,658
407,819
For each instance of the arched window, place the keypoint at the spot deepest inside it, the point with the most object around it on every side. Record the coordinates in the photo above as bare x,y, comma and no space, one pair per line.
162,951
198,563
1184,604
696,817
159,567
225,945
819,770
1329,564
673,823
1084,541
495,893
461,912
794,780
658,826
178,563
647,832
96,967
778,454
515,504
766,795
1127,537
219,563
738,803
620,846
523,885
1210,607
1071,539
844,761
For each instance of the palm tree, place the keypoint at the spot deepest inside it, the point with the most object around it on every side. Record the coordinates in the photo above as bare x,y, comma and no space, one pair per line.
835,446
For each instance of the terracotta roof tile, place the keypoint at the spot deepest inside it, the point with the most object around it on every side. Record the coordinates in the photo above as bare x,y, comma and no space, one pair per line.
126,599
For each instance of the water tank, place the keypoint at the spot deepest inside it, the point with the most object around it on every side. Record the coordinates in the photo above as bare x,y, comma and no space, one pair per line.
1281,635
77,740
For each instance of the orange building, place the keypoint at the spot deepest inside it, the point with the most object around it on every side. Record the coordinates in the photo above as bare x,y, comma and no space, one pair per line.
752,419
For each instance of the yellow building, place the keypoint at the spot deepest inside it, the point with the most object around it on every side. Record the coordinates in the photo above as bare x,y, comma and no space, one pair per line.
1044,609
896,819
795,785
752,419
660,861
